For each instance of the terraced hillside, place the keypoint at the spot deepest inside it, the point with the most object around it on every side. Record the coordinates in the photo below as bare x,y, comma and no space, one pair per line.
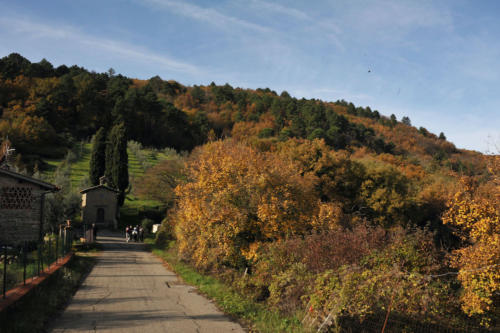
135,207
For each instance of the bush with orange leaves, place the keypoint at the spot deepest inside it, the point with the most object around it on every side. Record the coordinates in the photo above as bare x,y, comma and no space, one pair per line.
237,199
474,212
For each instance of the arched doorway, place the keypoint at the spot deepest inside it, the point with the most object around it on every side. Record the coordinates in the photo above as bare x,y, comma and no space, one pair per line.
100,215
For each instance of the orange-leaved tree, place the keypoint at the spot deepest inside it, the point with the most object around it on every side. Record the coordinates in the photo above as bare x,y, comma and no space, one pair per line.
474,212
238,198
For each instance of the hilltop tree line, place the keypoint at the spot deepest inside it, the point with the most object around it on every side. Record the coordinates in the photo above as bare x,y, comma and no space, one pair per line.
45,110
41,105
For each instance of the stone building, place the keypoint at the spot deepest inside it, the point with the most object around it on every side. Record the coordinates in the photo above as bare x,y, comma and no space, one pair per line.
100,205
21,207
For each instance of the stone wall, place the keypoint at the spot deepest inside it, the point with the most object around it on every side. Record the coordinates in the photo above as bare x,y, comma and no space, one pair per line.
20,209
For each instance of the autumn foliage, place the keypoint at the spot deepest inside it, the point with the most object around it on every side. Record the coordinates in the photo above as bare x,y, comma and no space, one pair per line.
237,199
287,219
475,214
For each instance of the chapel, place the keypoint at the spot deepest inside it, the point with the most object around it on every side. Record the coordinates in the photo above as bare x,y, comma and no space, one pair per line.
100,205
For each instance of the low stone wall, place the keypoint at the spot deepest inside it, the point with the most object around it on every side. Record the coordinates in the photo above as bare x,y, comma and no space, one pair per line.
15,294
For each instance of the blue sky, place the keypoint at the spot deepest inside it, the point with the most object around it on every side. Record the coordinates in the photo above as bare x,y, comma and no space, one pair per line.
437,62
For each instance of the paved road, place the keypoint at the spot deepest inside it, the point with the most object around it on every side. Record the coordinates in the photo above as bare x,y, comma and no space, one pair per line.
129,290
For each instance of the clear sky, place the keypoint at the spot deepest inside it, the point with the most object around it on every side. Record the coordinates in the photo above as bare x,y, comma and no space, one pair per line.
437,62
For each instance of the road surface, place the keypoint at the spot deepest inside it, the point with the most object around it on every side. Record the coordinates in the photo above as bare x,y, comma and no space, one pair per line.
129,290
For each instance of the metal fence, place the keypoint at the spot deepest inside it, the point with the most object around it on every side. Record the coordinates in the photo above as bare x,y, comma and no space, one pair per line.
21,262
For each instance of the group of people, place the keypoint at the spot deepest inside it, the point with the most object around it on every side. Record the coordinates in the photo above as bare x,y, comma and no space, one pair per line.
134,233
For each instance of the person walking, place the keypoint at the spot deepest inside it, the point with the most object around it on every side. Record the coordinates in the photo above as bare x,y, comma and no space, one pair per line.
135,233
141,233
94,231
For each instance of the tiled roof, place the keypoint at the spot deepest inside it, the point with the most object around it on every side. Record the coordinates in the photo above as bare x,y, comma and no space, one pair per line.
98,187
28,179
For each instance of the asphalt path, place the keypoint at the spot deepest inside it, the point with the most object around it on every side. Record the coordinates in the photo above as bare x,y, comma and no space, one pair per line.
129,290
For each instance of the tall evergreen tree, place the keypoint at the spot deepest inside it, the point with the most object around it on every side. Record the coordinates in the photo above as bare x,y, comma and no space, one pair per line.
406,120
110,148
120,173
394,120
98,157
117,160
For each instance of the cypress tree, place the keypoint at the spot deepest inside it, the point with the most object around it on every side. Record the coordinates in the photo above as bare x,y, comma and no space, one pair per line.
117,160
108,172
121,162
98,157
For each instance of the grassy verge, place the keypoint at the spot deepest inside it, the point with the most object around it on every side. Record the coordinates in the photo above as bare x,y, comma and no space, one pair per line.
254,315
33,312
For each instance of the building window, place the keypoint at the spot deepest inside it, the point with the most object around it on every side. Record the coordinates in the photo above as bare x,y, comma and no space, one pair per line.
16,198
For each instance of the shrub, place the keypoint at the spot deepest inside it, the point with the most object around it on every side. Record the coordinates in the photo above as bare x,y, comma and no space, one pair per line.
147,225
286,289
396,274
158,182
239,198
164,234
287,267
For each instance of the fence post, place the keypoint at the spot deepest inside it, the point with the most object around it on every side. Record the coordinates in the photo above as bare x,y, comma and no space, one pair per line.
24,263
63,240
325,322
38,261
4,271
49,253
57,247
41,255
69,241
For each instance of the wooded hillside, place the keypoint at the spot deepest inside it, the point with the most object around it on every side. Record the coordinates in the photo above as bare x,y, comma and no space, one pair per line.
322,204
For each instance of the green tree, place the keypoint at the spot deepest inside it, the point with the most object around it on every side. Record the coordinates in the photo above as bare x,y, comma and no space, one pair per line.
198,95
117,160
98,157
423,131
201,127
108,170
13,65
406,120
394,120
40,69
285,94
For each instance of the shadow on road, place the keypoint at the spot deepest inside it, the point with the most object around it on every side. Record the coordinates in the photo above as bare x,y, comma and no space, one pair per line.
115,241
124,319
